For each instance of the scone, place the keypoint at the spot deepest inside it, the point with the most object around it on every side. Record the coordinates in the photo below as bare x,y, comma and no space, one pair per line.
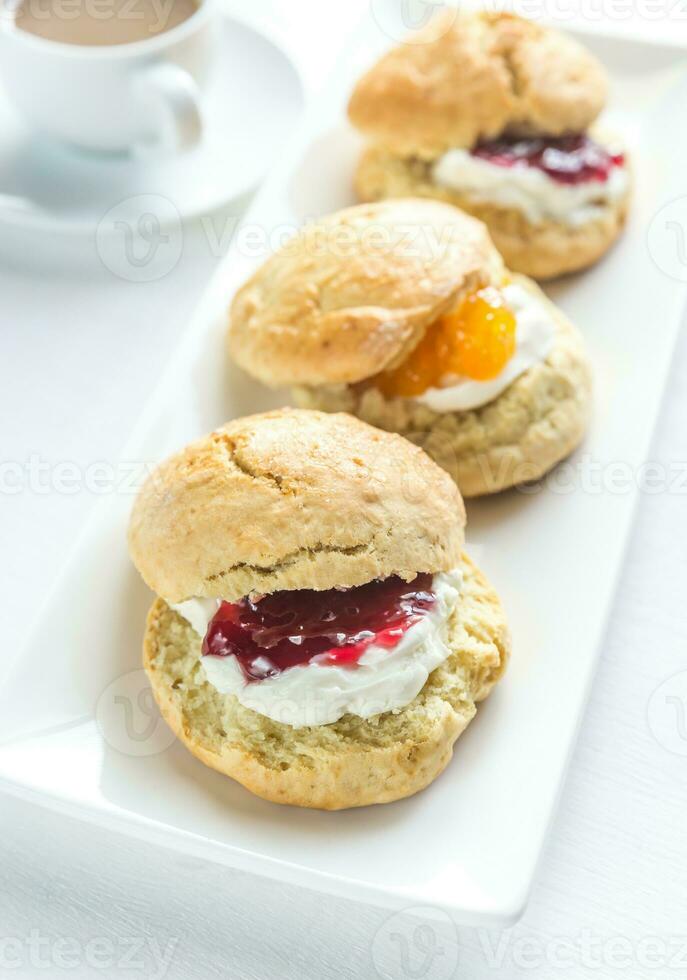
403,314
319,635
492,113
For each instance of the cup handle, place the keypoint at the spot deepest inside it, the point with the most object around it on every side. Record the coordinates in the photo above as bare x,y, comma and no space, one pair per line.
174,100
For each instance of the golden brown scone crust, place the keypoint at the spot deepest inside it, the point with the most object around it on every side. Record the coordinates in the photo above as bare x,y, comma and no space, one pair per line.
543,250
534,424
473,76
353,762
293,500
354,292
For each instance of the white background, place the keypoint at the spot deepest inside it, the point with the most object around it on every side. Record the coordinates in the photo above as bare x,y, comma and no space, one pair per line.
80,352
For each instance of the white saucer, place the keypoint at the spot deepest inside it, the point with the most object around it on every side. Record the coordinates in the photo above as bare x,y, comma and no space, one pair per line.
250,107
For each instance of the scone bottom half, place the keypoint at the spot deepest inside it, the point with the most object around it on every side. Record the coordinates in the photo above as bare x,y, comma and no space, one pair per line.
410,642
512,440
497,115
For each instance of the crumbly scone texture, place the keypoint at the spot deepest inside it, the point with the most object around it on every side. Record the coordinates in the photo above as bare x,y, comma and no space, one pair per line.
466,77
354,762
293,500
354,292
543,251
515,439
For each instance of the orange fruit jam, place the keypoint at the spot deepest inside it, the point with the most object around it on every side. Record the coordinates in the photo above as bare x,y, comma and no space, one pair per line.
474,341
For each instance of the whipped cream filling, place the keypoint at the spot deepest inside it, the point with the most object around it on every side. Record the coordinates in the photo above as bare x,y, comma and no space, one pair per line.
197,613
529,189
314,694
534,337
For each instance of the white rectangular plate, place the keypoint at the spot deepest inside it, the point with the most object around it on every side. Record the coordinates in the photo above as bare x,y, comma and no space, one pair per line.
74,722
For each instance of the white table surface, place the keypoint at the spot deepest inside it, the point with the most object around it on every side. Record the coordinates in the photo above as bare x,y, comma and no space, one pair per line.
79,352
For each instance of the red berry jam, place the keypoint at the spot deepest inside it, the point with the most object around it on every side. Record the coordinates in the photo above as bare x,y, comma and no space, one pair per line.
272,633
569,159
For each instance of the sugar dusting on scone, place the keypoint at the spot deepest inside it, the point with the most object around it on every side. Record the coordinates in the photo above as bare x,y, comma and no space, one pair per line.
496,115
319,634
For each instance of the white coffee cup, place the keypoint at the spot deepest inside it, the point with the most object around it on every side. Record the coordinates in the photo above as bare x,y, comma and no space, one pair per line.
143,96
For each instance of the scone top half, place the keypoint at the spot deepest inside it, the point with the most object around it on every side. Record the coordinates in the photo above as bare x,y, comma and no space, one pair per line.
293,500
403,314
353,293
496,114
470,77
317,560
